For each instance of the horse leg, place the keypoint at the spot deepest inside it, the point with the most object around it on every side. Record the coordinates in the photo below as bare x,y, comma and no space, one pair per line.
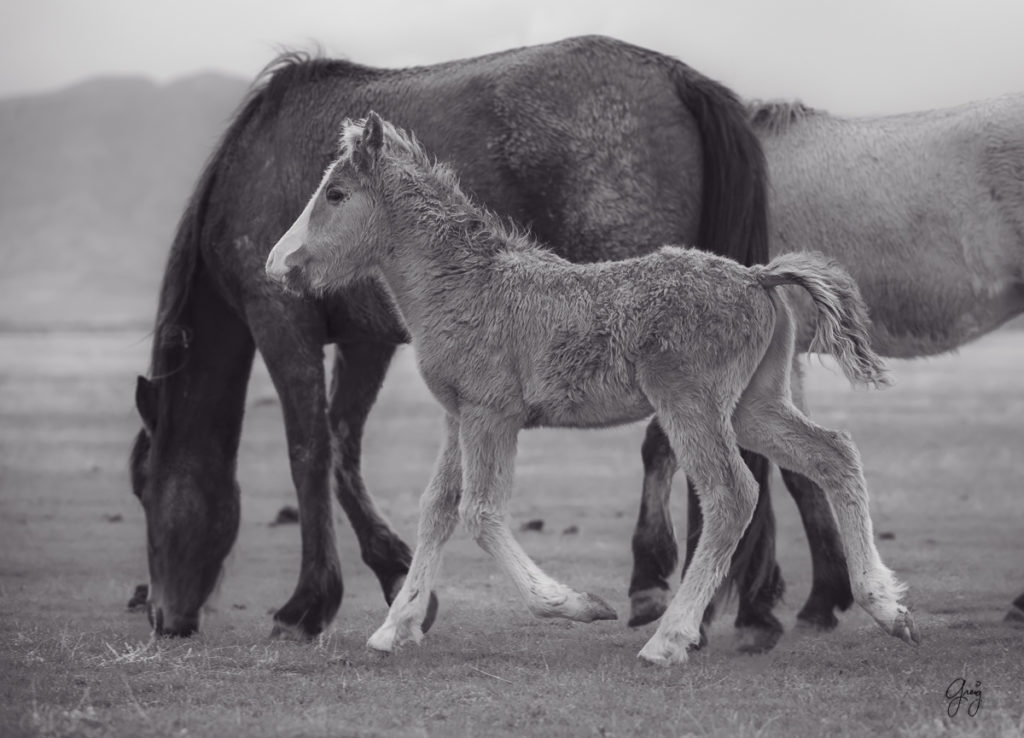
655,553
439,513
359,370
488,453
830,587
1015,615
728,495
754,569
774,427
294,356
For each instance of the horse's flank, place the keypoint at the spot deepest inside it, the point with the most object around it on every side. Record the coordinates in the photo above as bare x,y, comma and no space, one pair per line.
928,213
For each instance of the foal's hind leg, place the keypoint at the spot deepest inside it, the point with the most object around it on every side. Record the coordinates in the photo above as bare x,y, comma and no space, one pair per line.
359,370
774,427
488,451
728,494
830,583
439,513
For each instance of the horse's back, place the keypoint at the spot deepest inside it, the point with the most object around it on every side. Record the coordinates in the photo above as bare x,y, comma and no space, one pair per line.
926,210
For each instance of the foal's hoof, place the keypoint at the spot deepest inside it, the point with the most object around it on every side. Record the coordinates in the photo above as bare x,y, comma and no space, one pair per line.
647,605
389,638
594,608
904,627
817,621
665,651
432,604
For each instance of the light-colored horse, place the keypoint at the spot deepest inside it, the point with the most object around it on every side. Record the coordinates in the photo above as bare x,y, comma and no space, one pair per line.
508,336
926,212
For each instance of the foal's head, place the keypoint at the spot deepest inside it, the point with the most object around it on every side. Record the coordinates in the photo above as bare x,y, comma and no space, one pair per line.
337,238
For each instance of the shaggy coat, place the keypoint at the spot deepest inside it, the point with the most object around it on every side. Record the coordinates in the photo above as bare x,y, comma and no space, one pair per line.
508,336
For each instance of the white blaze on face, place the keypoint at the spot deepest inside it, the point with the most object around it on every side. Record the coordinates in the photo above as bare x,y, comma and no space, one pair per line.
294,238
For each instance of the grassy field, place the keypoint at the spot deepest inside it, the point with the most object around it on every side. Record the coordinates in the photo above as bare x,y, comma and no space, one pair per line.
943,451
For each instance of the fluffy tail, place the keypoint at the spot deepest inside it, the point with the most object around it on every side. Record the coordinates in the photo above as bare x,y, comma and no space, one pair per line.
842,325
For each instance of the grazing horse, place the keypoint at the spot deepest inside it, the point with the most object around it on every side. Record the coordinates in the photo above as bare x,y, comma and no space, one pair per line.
510,336
926,211
601,148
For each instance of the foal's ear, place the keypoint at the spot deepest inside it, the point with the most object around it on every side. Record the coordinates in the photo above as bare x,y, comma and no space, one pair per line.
145,402
373,140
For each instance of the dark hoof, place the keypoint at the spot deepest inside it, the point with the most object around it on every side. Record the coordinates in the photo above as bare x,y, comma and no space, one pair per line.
1015,616
138,602
759,639
818,620
286,632
304,617
431,615
647,605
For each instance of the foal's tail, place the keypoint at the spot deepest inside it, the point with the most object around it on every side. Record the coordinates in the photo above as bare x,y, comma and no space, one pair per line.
842,323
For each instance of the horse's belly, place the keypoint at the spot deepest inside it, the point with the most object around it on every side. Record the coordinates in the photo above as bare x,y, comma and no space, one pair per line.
589,410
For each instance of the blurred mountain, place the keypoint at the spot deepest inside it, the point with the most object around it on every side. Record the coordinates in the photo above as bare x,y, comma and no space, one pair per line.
92,183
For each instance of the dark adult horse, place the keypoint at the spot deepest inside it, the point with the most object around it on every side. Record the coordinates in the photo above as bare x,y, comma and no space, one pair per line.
656,154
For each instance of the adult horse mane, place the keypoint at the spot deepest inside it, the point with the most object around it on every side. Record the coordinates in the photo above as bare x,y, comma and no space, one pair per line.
771,117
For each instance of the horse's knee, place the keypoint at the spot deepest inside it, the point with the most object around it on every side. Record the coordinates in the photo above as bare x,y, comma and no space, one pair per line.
840,465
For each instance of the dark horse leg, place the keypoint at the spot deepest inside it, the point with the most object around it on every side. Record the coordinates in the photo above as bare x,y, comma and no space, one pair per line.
830,578
359,370
655,551
292,348
1016,613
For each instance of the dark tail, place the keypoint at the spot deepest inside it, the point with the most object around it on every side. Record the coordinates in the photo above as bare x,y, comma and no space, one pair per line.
842,325
734,223
734,202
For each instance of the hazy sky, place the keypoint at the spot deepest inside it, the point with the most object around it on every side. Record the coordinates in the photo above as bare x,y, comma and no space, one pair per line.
855,57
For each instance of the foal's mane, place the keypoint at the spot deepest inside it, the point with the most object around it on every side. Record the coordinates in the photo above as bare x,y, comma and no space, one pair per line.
438,198
776,116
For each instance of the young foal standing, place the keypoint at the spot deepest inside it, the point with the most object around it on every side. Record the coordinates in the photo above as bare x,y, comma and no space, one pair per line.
509,336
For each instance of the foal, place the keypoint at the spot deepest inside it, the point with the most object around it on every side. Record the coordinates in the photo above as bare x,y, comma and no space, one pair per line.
509,336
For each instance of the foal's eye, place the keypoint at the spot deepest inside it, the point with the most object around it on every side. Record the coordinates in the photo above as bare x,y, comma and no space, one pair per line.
334,195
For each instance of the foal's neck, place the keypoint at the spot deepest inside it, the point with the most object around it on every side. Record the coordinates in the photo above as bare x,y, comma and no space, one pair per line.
439,247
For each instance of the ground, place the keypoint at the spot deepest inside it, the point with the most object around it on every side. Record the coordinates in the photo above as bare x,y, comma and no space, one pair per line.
943,452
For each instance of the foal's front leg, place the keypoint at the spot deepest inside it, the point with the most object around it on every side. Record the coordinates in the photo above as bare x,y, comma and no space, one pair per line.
488,453
439,514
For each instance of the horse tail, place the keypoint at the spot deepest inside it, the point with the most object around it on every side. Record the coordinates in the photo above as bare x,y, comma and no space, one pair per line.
734,199
734,223
841,328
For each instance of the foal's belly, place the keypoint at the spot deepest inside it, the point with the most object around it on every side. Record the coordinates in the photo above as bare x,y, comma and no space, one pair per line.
588,410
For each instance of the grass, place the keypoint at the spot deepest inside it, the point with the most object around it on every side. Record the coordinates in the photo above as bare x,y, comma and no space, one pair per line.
942,451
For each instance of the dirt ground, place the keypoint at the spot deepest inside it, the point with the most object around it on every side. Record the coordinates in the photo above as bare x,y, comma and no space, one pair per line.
944,453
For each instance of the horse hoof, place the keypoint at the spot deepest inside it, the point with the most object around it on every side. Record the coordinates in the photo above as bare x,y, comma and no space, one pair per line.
383,639
817,621
754,640
1015,616
432,604
288,632
594,608
647,605
431,615
662,651
904,628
